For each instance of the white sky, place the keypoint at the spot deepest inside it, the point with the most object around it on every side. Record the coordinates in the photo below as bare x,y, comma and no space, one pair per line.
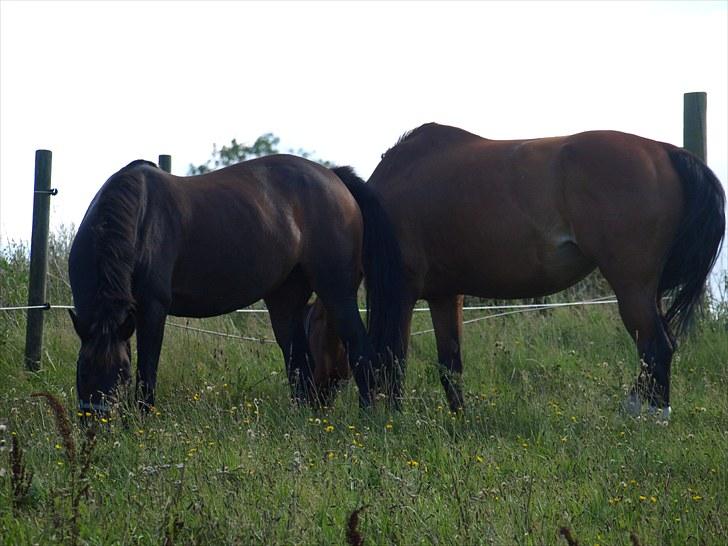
103,83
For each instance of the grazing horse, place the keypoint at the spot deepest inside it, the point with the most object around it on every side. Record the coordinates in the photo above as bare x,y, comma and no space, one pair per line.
275,228
527,218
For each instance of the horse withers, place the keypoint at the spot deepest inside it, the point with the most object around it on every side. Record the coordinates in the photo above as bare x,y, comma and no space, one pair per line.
275,228
527,218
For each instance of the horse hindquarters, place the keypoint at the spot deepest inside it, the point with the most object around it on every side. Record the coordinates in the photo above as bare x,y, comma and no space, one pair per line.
656,229
692,254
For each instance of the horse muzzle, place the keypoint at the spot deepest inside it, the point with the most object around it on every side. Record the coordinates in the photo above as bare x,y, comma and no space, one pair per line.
98,409
634,407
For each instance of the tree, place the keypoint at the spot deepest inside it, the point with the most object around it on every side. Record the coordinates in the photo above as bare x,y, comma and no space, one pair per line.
235,152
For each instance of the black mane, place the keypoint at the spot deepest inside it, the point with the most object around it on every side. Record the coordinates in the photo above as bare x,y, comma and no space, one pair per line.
434,133
403,137
119,208
138,163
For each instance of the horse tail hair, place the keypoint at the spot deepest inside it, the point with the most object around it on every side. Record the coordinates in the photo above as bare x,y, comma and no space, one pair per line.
697,242
383,270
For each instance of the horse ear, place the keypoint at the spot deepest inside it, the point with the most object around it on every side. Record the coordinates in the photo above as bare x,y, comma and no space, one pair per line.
77,325
126,329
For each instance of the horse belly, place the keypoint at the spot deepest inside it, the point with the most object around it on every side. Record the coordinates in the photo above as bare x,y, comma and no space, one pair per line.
218,280
545,271
508,268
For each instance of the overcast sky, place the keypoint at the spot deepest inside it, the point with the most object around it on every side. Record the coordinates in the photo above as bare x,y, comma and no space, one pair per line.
103,83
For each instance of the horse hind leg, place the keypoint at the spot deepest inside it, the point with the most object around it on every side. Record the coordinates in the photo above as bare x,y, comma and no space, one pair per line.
285,307
344,311
447,319
643,319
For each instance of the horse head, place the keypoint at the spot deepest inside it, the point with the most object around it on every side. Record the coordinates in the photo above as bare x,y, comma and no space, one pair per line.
104,360
329,358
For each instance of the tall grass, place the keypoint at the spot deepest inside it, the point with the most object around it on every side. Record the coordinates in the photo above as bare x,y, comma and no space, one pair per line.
227,459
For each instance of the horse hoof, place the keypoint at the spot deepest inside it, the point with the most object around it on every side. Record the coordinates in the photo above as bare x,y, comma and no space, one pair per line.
662,414
633,404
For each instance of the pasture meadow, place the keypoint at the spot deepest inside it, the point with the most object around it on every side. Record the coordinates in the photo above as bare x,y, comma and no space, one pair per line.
542,455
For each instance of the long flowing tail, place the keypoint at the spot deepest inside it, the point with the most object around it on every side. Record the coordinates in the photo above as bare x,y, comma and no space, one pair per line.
698,239
383,271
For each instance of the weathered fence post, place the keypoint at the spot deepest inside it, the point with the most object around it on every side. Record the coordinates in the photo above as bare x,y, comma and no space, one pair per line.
695,140
694,123
165,163
38,258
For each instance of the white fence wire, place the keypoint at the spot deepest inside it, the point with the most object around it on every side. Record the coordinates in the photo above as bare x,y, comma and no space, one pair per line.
511,309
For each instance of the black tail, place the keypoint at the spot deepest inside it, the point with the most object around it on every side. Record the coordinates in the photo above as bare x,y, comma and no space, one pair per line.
697,241
383,270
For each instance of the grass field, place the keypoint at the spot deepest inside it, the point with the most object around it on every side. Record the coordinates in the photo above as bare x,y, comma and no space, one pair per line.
227,459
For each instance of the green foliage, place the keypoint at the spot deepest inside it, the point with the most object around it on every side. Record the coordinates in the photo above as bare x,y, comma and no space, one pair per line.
227,459
236,152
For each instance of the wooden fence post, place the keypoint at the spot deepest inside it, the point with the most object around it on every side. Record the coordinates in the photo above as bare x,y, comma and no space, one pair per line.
165,163
694,124
695,140
38,258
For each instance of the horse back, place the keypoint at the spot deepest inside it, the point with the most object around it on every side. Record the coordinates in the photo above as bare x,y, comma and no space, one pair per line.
244,229
269,203
208,244
519,218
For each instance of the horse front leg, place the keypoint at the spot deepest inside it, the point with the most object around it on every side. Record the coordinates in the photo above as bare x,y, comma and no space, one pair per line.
394,370
150,333
447,319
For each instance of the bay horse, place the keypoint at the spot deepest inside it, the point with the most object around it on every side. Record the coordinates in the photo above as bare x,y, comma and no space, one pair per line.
527,218
274,228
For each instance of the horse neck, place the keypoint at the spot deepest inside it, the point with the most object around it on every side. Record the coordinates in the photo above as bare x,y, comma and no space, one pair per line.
116,234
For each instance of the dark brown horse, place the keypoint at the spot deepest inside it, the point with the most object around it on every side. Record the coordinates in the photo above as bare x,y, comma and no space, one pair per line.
274,228
526,218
